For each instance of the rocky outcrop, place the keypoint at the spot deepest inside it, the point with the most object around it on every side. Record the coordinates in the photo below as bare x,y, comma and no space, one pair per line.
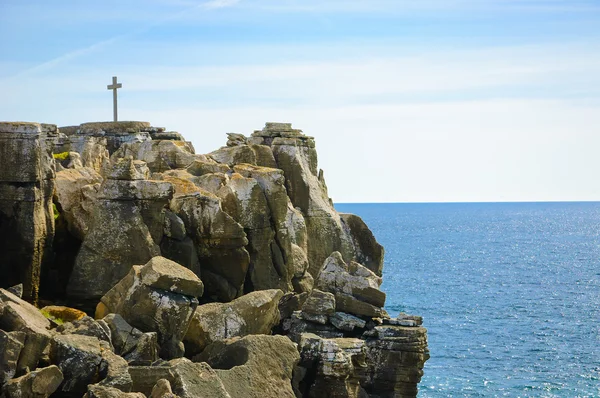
253,313
126,229
26,214
159,297
290,288
254,366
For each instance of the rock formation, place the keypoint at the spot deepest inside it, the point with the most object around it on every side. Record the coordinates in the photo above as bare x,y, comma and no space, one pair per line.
228,274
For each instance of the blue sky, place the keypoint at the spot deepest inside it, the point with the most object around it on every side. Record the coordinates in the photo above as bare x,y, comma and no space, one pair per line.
430,100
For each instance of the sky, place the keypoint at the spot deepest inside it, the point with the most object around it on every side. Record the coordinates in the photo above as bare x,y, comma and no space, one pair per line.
408,101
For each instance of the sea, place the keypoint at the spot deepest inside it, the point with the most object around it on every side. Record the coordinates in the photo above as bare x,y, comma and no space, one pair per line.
509,292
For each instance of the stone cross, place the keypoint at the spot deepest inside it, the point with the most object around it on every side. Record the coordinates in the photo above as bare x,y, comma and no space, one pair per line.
114,86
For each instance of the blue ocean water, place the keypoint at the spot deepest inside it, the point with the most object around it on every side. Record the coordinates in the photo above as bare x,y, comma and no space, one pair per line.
509,292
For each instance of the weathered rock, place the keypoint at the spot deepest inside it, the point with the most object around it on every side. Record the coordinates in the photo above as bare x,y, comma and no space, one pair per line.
350,279
162,389
296,325
220,242
395,359
158,297
17,290
368,251
26,213
39,383
86,360
117,133
291,302
278,257
295,154
339,364
86,326
254,366
97,391
187,379
136,347
128,226
11,344
160,155
346,322
20,316
253,313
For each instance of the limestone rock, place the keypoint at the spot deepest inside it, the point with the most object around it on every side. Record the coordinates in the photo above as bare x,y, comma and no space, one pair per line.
136,347
117,133
220,242
346,322
156,299
253,313
86,360
11,344
20,316
187,379
254,366
97,391
40,383
26,213
350,279
86,326
395,359
127,227
162,389
160,155
368,251
339,364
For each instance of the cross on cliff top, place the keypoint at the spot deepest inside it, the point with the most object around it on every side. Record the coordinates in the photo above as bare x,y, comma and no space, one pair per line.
114,86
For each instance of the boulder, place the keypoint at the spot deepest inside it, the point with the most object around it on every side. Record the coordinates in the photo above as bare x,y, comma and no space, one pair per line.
86,360
11,344
187,379
368,251
352,280
97,391
26,212
136,347
40,383
318,306
162,389
128,225
160,297
254,366
86,326
346,322
17,315
253,313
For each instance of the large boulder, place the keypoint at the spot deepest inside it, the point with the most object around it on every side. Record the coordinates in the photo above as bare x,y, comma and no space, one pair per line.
368,251
40,383
253,313
160,297
11,344
26,213
187,379
254,366
127,229
85,360
17,315
356,288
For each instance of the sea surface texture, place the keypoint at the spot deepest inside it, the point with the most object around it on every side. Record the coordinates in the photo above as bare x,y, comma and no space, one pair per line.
510,293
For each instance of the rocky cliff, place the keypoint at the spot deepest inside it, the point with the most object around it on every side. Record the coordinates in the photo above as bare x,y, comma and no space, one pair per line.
161,272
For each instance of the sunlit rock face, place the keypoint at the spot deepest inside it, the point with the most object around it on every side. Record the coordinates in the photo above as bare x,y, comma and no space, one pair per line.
198,255
26,216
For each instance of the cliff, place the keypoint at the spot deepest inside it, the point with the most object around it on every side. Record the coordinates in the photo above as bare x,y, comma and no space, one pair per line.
228,274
